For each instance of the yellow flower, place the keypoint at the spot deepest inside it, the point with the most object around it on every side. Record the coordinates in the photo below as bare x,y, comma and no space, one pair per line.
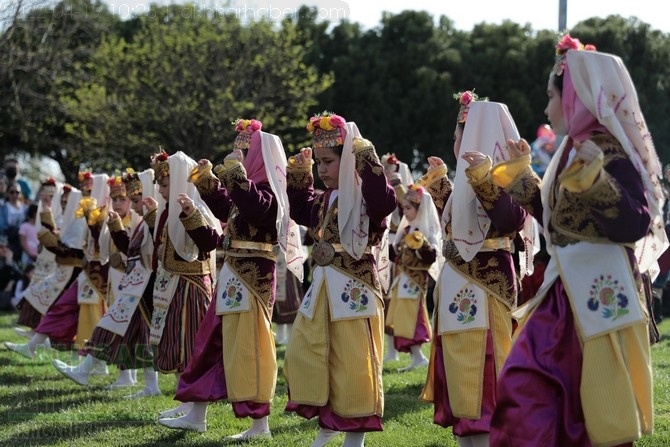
325,123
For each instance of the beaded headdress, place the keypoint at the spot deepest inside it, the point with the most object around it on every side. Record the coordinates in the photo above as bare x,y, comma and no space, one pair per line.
159,163
49,186
246,128
565,44
414,194
326,129
85,180
465,99
117,188
133,183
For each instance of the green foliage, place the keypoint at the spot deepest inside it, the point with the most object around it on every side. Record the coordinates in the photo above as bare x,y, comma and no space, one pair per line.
84,87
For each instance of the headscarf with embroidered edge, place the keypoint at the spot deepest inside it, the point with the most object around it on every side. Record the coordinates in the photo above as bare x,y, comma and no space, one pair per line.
288,232
488,127
592,73
427,222
181,166
73,229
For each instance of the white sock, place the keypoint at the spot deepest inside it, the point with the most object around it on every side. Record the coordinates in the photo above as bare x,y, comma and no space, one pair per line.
391,351
417,355
281,332
124,378
354,439
464,441
133,375
88,364
150,379
324,436
289,328
259,426
37,339
198,413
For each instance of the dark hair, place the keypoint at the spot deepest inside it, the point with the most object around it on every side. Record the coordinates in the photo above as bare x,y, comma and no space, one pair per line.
336,149
558,82
32,211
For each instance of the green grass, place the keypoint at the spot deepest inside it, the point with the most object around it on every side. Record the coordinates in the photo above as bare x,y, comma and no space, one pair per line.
38,407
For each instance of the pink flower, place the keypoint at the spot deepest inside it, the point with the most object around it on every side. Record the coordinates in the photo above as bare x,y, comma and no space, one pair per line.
590,47
337,121
256,125
466,97
568,43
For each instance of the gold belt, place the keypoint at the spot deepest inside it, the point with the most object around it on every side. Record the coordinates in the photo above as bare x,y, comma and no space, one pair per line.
500,243
246,245
339,248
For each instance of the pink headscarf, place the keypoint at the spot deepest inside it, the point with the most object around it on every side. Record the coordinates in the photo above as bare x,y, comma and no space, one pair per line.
579,121
253,162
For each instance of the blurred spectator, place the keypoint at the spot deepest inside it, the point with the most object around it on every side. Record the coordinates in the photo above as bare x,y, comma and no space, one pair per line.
28,237
12,215
22,284
9,275
542,149
3,187
12,171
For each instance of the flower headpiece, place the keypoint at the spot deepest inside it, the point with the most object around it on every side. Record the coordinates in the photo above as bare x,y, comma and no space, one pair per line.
67,188
85,180
565,44
414,193
49,185
133,182
117,188
326,129
465,99
159,163
246,128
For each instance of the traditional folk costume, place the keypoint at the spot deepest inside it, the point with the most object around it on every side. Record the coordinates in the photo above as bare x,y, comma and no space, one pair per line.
70,320
235,357
415,251
477,286
183,286
579,372
333,363
400,177
53,274
121,337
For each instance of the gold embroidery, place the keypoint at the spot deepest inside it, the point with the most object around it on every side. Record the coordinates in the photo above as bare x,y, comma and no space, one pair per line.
47,238
524,188
234,176
490,277
150,218
438,186
297,178
47,220
206,184
573,217
368,156
195,220
487,192
115,225
173,263
248,270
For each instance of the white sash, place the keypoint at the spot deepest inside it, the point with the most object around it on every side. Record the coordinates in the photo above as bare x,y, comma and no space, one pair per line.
462,304
45,265
348,297
600,285
406,288
86,291
114,279
127,299
41,295
164,288
232,294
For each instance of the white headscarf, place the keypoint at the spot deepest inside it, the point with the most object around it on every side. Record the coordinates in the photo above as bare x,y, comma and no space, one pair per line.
428,223
149,189
288,232
603,84
180,167
72,230
488,126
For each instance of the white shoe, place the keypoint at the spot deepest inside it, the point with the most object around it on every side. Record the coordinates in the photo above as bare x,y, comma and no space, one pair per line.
145,393
25,333
390,357
21,348
71,373
181,409
247,435
419,364
183,424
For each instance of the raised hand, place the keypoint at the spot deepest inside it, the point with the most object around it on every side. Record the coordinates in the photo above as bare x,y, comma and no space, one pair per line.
186,204
473,157
304,157
434,162
518,148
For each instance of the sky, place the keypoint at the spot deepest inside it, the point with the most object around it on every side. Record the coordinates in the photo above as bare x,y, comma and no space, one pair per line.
540,14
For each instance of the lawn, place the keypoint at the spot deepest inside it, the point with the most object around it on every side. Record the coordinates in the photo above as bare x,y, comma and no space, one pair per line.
38,407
